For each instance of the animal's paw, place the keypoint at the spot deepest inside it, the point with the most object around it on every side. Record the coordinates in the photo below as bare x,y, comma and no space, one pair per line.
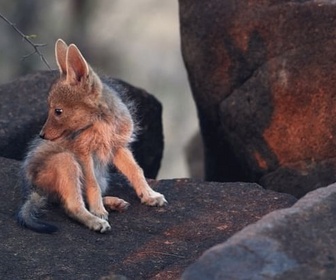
100,225
100,212
115,203
121,205
153,198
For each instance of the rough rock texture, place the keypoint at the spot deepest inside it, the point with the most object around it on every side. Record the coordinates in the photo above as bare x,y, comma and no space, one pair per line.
144,243
23,111
294,243
262,74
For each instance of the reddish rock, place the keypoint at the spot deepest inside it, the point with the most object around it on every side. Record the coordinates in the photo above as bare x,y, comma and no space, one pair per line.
263,75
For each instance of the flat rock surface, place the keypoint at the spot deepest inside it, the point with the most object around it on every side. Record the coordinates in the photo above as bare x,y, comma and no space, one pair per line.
294,243
144,243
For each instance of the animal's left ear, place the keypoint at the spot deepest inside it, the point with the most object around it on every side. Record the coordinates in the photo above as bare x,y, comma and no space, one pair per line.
77,67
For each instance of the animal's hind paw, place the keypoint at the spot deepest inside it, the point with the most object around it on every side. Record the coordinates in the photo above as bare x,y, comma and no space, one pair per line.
115,203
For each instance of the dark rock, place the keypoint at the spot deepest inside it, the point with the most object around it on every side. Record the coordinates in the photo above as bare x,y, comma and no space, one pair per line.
23,111
144,243
294,243
261,74
194,157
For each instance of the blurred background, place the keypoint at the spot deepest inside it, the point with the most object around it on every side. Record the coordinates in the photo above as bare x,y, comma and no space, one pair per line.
136,41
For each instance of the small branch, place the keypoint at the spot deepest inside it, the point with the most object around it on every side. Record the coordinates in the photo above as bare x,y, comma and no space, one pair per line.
27,39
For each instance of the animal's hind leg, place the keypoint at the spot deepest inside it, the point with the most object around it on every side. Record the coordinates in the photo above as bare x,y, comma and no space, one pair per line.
115,203
67,181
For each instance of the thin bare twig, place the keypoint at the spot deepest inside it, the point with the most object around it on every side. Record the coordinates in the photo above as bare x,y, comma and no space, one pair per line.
27,39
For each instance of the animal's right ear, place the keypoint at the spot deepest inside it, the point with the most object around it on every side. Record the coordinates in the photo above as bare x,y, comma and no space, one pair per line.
77,68
60,52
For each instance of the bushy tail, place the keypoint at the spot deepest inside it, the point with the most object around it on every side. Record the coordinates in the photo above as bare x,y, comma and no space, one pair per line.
30,211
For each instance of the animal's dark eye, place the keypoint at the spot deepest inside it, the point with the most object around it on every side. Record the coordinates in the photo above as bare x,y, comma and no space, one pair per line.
58,112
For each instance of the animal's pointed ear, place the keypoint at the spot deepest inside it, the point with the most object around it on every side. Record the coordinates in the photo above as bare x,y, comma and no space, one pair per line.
77,67
60,53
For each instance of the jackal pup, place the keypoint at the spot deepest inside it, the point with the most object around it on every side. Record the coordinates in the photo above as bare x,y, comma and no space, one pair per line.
88,127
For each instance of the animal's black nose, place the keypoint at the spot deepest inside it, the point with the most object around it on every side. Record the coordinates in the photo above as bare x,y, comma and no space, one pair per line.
42,135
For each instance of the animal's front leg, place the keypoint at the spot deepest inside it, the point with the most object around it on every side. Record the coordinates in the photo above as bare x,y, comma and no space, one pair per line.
125,162
92,189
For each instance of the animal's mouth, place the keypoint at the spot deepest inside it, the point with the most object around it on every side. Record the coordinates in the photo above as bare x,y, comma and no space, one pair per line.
69,134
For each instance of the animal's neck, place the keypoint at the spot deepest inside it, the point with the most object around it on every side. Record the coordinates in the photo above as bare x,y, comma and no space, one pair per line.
73,135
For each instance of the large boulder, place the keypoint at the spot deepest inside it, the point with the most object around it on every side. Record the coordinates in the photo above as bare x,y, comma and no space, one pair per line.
144,242
23,111
294,243
262,75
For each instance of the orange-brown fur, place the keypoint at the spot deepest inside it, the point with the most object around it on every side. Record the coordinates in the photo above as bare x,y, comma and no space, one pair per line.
88,127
